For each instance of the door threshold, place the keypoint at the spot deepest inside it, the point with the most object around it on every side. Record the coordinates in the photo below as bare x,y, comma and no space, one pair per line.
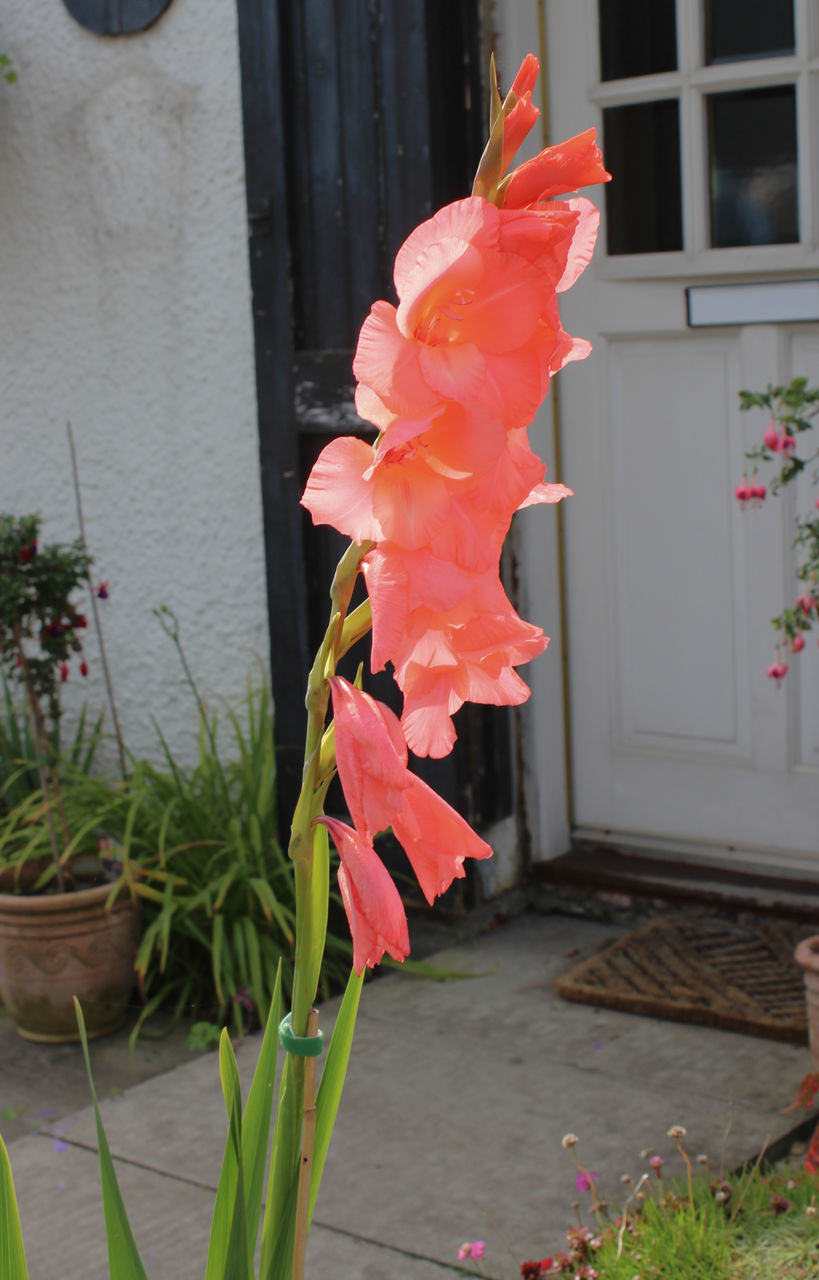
613,873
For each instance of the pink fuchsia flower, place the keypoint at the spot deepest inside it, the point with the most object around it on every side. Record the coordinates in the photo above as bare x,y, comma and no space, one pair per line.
472,1249
371,901
753,493
584,1180
805,602
371,756
798,643
777,671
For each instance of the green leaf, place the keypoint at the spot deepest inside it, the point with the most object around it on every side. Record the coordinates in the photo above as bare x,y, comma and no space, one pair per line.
12,1254
228,1253
332,1081
283,1180
256,1119
124,1261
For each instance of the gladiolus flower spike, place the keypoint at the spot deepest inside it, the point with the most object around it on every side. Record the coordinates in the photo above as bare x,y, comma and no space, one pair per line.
451,376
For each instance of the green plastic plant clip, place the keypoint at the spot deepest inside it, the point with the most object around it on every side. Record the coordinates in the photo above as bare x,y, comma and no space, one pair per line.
299,1046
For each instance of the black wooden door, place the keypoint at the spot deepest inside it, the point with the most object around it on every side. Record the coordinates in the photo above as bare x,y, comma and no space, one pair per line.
361,118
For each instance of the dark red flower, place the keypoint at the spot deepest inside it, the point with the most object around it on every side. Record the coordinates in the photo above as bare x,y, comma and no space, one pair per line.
63,671
83,668
102,591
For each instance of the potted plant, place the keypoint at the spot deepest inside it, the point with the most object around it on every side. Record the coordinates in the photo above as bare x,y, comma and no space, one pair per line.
65,927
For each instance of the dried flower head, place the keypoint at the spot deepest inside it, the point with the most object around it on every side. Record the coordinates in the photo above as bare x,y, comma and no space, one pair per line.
702,1159
569,1140
676,1132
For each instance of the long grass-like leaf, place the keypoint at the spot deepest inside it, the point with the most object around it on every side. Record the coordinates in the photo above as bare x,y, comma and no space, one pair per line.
12,1253
256,1119
228,1252
123,1256
332,1080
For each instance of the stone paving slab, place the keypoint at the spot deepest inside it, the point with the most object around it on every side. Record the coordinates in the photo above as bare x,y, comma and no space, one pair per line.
450,1126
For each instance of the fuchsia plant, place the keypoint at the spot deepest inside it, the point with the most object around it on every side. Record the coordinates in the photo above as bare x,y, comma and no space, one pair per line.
791,411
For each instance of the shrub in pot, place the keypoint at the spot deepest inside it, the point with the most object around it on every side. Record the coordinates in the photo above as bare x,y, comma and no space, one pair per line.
65,929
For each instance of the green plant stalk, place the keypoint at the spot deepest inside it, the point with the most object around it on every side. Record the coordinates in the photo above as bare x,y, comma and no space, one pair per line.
308,850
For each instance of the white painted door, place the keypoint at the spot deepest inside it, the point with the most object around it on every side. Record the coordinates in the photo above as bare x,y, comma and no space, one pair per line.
709,112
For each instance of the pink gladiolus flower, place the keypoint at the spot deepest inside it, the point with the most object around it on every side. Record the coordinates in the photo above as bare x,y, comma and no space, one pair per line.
371,756
373,905
577,162
523,115
460,644
477,320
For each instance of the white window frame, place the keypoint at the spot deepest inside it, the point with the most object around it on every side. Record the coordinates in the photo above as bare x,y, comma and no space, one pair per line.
689,85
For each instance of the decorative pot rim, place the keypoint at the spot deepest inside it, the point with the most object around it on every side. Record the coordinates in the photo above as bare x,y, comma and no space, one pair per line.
54,903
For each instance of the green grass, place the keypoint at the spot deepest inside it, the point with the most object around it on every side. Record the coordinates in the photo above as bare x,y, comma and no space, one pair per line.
756,1226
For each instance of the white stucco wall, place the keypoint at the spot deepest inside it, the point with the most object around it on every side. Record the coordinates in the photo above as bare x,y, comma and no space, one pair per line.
125,307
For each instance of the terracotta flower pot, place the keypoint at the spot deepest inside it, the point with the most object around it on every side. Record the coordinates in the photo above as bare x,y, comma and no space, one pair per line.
56,946
807,956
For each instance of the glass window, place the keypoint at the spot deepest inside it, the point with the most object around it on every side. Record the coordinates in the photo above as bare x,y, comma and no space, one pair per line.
752,167
637,38
736,30
643,200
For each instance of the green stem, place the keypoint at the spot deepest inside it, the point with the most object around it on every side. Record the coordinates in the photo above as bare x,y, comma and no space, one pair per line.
310,868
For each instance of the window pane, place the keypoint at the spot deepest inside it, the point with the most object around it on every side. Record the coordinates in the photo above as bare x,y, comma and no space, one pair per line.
736,30
643,200
637,38
752,167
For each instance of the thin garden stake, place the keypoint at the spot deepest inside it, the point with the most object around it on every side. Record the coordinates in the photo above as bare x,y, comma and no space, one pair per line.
97,624
307,1144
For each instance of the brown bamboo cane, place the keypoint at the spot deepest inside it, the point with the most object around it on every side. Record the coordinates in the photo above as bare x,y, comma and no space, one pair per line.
308,1135
41,747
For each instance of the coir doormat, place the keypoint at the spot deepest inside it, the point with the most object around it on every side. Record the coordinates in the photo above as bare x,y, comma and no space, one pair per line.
704,969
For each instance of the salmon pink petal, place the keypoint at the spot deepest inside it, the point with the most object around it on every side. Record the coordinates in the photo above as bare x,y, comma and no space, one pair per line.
410,502
526,78
523,115
375,913
517,126
503,690
546,493
388,588
337,493
455,371
435,838
371,755
583,242
387,364
556,170
428,728
465,222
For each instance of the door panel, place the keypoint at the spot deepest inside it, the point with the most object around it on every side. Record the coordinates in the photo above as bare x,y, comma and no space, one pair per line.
679,740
